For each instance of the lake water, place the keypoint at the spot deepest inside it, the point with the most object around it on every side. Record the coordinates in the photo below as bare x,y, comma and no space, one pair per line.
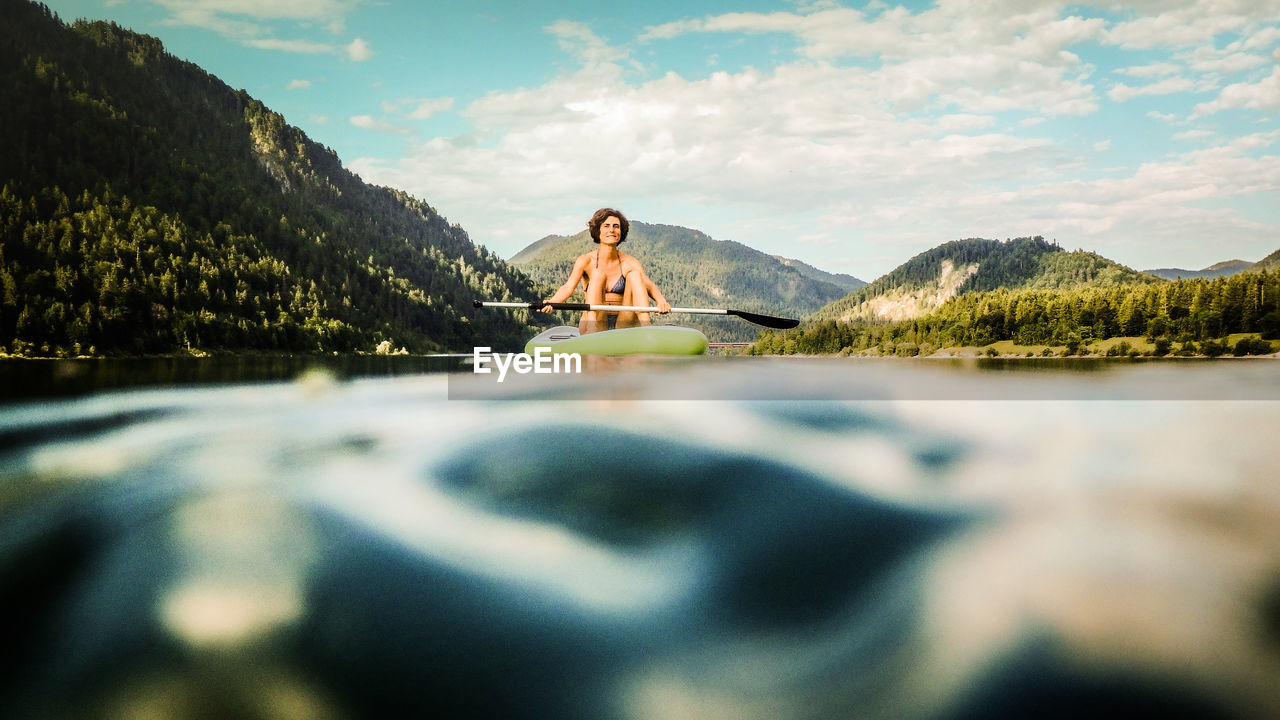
716,538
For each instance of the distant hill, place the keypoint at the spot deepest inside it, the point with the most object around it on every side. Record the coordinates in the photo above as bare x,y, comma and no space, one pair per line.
694,270
546,248
147,207
1222,269
928,280
1270,262
848,282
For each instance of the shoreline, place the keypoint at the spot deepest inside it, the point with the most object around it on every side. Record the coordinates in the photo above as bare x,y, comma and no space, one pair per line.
935,356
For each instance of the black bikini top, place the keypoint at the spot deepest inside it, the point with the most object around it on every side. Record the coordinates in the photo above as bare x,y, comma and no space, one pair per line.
618,287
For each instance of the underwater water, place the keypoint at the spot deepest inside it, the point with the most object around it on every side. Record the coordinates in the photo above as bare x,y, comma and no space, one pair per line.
722,539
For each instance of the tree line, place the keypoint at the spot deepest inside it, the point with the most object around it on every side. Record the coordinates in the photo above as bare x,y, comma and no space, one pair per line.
1168,314
1026,262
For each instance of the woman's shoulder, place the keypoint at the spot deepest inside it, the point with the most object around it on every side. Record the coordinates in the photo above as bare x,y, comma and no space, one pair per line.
629,260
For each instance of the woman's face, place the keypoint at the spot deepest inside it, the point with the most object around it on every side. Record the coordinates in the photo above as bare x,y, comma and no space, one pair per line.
611,230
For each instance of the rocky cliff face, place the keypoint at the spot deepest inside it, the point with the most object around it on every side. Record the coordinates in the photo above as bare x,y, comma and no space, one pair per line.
900,304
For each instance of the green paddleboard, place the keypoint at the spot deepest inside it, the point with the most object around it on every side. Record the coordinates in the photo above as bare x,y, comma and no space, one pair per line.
646,339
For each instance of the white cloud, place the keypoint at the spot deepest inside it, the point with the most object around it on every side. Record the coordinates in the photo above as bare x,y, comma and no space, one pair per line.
359,50
1262,39
1262,95
1152,70
426,108
368,122
1007,58
304,47
592,51
273,10
948,123
1168,118
1212,60
1158,210
298,85
1186,23
256,24
1168,86
1194,135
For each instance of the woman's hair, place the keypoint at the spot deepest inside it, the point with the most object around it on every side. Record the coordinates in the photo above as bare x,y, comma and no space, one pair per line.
598,219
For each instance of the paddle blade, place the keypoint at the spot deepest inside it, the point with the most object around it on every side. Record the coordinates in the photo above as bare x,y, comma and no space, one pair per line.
769,321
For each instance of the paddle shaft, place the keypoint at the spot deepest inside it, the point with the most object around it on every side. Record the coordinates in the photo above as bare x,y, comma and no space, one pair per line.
599,308
758,319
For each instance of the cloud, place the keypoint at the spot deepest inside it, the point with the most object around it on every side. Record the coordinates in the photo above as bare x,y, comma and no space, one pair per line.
1185,23
1194,135
359,50
258,24
1262,95
949,55
417,108
1157,210
304,47
1152,70
1210,59
1167,118
1168,86
885,125
274,10
368,122
426,108
1262,39
298,85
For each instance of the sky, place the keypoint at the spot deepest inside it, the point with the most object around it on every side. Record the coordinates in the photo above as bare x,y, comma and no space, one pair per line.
849,135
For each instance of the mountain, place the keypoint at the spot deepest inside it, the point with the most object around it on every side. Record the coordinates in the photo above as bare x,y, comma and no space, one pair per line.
147,207
1222,269
1270,262
926,281
848,283
694,270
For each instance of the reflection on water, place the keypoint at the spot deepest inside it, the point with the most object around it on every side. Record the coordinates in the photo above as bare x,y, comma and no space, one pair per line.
371,548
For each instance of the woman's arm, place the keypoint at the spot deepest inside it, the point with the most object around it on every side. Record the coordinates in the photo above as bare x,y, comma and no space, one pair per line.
652,288
575,277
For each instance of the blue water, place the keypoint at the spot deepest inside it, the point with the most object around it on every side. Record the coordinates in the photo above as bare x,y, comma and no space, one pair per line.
734,538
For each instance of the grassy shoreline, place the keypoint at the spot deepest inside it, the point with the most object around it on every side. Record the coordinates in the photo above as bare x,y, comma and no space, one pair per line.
1116,347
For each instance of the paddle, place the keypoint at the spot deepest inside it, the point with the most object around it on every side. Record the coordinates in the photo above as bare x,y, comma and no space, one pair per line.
769,321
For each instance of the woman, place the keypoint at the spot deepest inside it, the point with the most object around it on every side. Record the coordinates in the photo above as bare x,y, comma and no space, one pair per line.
612,277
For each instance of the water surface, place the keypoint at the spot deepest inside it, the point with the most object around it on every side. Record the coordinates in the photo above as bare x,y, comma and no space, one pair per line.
745,538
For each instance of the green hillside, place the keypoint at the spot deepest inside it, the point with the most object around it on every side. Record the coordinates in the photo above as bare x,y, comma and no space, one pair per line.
927,281
1167,314
147,207
1222,269
1270,262
694,270
848,283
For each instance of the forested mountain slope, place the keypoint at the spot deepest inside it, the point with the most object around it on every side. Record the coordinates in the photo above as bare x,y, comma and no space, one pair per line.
147,207
1222,269
1183,312
1270,262
846,282
927,281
